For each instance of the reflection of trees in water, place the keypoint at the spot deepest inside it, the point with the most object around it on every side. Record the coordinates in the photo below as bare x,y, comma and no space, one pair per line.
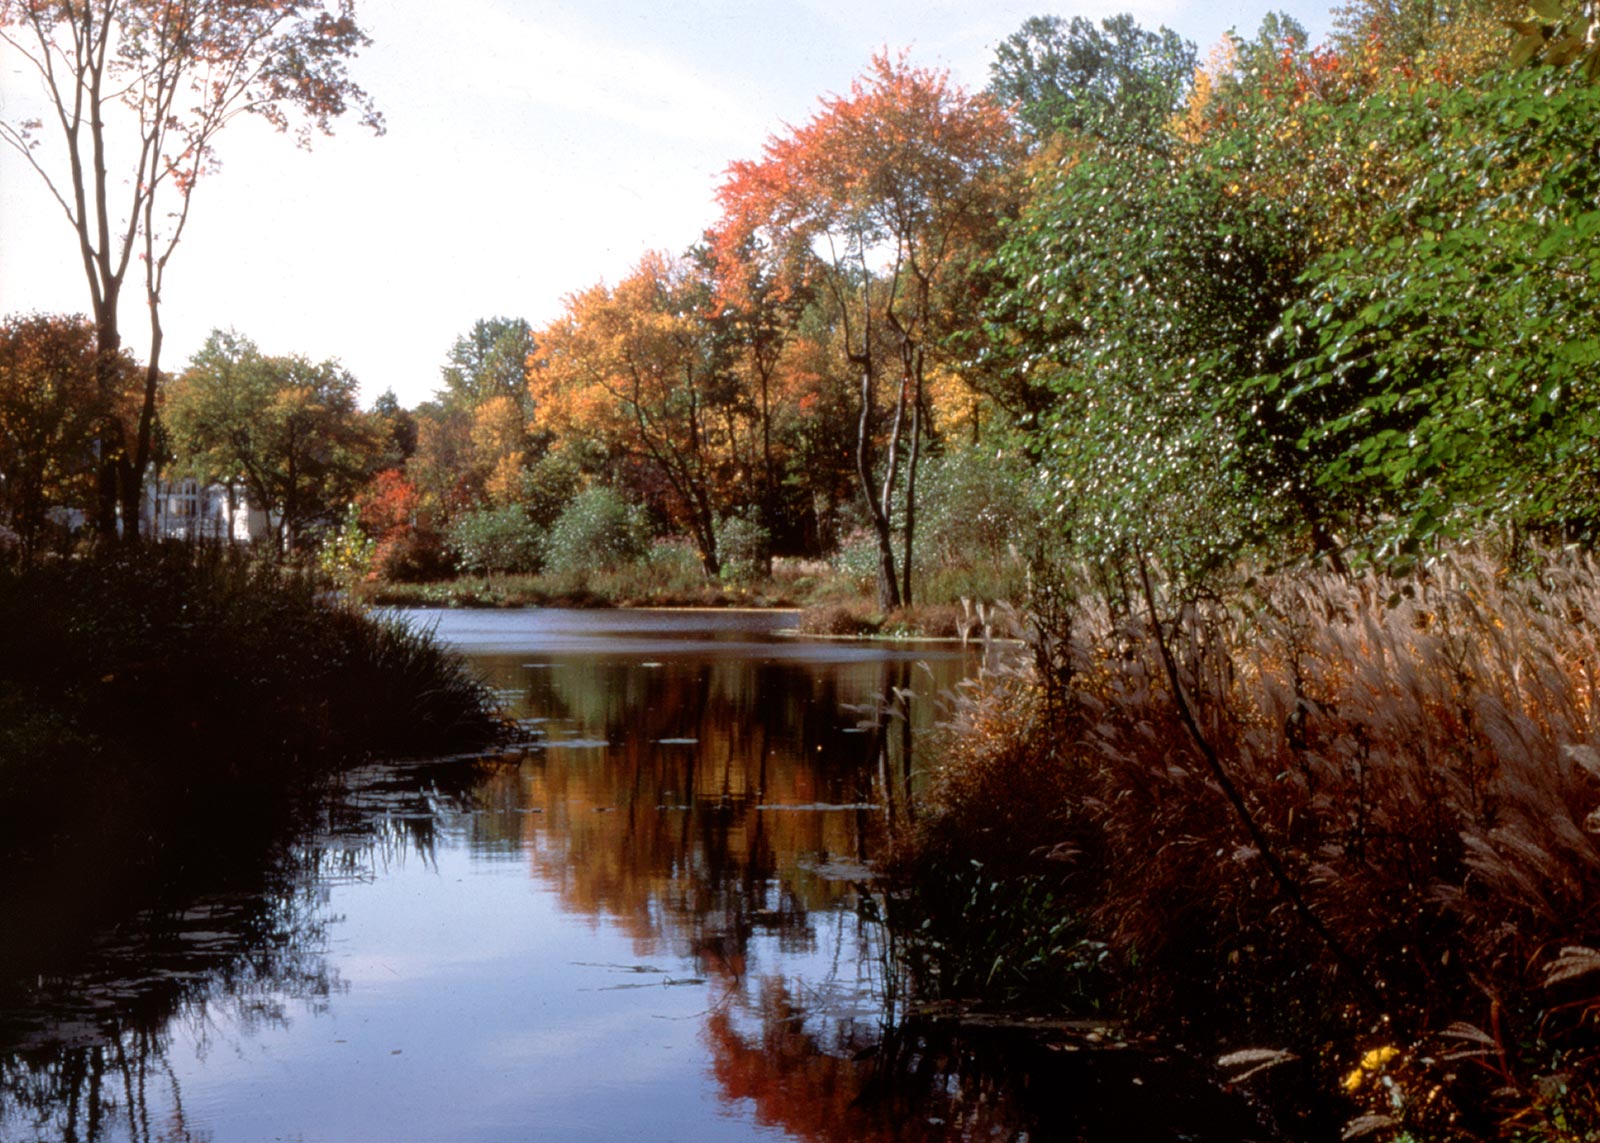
668,840
686,846
701,842
92,1092
824,1077
84,1049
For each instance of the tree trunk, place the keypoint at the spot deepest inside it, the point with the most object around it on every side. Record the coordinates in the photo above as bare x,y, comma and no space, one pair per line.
110,443
911,474
888,581
139,463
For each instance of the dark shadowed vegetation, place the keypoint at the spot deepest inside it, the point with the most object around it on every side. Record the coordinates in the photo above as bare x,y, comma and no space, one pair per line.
165,704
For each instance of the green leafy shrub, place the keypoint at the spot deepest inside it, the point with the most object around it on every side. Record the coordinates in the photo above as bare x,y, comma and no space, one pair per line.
744,548
976,506
494,541
549,485
597,529
346,553
857,561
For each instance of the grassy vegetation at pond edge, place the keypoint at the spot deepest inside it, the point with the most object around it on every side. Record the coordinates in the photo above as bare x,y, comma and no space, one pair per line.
1359,840
157,706
831,603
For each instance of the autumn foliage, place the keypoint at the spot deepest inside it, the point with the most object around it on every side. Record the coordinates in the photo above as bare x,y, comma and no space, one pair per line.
880,204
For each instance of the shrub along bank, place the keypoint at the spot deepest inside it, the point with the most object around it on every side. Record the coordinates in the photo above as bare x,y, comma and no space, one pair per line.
161,706
1346,826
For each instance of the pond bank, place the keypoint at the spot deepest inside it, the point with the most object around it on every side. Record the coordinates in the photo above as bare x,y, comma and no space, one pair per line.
163,708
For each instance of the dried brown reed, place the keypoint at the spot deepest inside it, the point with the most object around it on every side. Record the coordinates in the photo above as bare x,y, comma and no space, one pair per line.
1410,853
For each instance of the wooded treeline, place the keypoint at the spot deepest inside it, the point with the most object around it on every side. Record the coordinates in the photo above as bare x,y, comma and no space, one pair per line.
1288,298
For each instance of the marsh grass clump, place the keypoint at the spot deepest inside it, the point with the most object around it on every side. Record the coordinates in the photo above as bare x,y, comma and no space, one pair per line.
169,705
838,619
1367,819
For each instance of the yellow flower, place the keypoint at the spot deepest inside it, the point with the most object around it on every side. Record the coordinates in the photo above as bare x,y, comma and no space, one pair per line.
1372,1061
1375,1059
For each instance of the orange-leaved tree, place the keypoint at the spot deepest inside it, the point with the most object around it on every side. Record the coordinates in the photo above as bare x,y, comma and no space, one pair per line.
633,369
881,203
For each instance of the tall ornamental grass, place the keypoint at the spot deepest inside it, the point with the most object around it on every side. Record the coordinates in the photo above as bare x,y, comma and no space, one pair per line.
1360,840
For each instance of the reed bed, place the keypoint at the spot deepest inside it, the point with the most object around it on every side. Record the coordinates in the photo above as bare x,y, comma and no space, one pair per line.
1359,840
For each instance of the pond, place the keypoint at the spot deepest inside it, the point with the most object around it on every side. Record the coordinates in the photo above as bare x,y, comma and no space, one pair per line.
655,922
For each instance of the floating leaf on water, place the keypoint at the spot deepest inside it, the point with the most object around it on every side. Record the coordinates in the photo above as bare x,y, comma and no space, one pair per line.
837,869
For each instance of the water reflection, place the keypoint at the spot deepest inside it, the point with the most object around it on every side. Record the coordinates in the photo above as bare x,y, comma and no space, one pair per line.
220,952
695,802
654,923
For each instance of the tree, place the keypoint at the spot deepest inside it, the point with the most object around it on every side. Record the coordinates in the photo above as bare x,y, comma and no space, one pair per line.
1116,81
50,412
399,427
753,322
289,430
1146,286
137,92
632,367
489,361
1445,361
1559,34
1438,37
882,202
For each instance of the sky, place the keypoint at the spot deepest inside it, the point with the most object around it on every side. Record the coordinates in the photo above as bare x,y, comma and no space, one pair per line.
534,148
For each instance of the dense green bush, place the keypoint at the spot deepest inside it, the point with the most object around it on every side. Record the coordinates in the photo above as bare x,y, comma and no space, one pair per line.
744,548
857,561
174,682
496,541
598,529
976,506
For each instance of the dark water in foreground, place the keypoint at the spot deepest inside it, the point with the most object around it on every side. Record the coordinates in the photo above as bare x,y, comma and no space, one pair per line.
653,926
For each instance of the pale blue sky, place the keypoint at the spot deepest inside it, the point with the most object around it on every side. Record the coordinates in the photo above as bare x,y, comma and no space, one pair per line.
534,147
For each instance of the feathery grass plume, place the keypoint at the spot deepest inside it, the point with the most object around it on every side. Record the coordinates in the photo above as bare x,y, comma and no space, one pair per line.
1421,757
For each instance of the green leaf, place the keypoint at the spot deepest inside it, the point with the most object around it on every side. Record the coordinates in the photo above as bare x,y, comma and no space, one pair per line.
1526,48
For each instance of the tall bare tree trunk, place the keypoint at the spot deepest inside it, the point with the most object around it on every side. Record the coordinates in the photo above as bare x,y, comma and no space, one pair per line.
878,505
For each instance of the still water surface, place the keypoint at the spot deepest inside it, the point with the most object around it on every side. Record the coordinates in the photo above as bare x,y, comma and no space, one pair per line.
649,925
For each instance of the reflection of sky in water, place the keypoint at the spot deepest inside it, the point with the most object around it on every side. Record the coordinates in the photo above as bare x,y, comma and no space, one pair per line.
632,633
477,1009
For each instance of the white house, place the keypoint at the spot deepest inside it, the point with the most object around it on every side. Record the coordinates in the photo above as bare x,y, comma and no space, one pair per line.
186,509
